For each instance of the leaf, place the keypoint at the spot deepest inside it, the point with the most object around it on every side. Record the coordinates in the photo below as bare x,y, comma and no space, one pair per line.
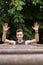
19,8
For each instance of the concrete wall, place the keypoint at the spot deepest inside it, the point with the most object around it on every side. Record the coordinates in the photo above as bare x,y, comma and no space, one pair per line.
21,54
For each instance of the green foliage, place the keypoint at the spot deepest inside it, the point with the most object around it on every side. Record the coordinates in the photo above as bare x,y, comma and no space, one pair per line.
10,12
34,13
37,1
16,10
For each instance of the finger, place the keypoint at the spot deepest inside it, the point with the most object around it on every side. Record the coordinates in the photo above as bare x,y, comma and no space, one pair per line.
6,24
36,24
8,27
32,27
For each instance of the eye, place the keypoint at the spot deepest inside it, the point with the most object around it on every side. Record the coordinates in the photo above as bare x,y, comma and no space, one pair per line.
19,34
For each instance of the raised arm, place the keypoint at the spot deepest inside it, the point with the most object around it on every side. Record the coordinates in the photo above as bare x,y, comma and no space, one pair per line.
36,39
36,28
5,29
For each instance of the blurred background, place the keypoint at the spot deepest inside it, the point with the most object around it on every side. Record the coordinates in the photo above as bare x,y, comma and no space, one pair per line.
21,14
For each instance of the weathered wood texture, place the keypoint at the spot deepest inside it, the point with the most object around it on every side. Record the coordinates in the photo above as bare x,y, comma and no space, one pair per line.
21,54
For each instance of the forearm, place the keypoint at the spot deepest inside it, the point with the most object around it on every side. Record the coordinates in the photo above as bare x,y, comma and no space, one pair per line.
37,36
4,36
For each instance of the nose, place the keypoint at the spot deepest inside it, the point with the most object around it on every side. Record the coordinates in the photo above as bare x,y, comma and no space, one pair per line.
19,35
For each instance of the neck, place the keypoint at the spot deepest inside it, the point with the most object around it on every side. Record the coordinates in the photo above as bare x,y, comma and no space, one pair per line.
20,40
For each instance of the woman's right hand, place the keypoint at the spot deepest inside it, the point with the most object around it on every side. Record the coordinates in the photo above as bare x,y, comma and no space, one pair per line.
5,27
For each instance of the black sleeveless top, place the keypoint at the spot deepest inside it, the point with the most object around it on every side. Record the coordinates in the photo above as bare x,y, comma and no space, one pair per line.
17,43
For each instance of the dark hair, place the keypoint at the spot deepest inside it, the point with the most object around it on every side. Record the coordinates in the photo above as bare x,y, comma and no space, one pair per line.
19,30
